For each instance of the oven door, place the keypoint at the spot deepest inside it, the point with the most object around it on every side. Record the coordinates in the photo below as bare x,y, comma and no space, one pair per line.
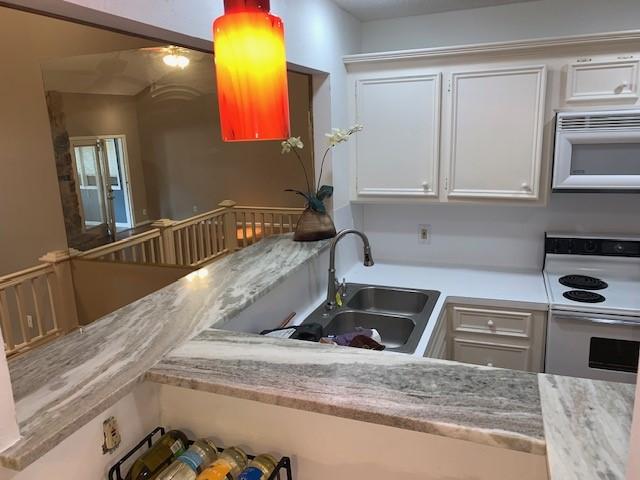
602,347
597,161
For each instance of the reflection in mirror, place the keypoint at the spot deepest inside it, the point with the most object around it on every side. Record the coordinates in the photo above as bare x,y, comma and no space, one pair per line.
111,145
144,142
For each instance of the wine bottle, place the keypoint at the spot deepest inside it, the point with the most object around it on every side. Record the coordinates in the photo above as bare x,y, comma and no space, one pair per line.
188,465
168,447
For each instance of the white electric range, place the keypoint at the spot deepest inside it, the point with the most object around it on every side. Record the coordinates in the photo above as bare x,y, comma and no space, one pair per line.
593,284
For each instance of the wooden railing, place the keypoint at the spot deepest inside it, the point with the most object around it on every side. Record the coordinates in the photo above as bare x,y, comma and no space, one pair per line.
254,224
144,248
205,237
196,240
37,304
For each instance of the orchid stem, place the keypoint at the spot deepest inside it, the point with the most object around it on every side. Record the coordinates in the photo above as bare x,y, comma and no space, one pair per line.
306,177
324,157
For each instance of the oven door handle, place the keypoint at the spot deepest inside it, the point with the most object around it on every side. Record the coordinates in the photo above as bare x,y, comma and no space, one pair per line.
599,321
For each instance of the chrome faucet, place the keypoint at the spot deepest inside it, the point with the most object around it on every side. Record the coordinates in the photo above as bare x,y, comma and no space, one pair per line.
334,288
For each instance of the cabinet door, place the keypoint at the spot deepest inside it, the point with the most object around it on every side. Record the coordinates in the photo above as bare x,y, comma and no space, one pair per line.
602,80
490,354
397,152
495,133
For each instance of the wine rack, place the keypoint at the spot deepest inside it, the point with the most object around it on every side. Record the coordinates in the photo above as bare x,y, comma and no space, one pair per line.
115,472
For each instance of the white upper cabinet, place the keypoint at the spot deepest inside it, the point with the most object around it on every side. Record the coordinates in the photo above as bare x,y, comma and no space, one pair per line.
603,79
494,133
397,153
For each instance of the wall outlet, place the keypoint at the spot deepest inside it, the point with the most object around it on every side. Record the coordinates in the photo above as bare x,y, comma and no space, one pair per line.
424,234
30,321
111,435
195,209
144,212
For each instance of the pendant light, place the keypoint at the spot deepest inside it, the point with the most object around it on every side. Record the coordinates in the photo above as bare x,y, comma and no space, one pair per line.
251,72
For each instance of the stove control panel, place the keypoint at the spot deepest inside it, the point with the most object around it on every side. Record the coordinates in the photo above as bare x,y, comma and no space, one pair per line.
592,246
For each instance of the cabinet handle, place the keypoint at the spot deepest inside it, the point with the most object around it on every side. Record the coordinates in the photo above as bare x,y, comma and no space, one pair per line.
490,324
526,187
489,364
425,185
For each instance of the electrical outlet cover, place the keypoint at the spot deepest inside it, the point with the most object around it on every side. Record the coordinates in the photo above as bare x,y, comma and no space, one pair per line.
424,234
111,434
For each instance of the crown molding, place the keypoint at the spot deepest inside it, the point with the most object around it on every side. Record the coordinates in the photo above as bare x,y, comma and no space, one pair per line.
480,48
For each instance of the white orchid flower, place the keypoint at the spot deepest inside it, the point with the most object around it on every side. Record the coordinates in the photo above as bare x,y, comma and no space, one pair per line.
291,143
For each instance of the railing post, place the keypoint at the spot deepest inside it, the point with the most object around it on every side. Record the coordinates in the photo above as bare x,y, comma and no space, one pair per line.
166,238
230,225
65,301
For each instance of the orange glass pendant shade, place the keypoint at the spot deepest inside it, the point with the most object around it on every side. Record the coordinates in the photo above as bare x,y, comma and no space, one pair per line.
251,72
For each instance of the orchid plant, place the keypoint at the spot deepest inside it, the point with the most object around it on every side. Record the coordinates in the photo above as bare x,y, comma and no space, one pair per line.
316,196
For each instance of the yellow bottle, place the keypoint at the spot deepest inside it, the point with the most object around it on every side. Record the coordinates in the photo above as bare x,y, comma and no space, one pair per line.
231,462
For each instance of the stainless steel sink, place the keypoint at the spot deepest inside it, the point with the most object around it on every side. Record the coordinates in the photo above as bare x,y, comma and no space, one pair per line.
395,331
384,299
400,315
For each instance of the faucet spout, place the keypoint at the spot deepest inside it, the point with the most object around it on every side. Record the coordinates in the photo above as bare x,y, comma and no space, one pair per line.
333,288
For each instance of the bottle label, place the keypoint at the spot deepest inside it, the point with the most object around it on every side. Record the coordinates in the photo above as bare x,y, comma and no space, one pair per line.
191,460
177,447
251,473
220,470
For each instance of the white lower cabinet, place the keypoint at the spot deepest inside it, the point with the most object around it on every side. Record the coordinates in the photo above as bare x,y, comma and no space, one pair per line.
492,354
497,337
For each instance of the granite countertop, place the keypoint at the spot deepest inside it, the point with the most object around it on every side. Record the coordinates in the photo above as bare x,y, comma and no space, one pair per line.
587,426
173,337
484,405
582,425
61,386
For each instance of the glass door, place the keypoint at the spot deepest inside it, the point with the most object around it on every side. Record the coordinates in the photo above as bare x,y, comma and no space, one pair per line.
102,180
90,183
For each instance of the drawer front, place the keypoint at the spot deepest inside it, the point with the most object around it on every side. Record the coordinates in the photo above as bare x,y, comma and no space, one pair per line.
494,322
491,354
602,80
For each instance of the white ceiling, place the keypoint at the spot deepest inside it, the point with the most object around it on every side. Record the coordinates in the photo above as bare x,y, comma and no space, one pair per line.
125,72
366,10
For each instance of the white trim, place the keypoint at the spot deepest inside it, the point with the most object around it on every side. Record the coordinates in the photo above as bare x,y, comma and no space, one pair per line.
528,44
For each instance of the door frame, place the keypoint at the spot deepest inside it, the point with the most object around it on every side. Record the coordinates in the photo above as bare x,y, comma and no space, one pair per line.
128,197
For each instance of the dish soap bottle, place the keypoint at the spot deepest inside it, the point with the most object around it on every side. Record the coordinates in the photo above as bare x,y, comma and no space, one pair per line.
230,464
260,468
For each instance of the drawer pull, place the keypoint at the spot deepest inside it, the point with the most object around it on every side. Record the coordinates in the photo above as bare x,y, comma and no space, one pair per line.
489,364
490,324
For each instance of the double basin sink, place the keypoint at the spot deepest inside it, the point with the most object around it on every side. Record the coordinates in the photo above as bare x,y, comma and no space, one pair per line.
399,315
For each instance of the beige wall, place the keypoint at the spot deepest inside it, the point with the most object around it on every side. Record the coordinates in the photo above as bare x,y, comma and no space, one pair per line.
31,220
92,115
104,287
186,163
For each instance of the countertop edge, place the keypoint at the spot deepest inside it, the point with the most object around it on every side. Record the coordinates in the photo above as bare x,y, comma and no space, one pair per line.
480,436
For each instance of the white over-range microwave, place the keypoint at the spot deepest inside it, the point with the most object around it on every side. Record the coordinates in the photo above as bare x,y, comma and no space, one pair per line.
597,151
